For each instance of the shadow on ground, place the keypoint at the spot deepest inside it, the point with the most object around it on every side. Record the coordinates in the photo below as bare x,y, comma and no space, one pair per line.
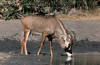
13,46
85,46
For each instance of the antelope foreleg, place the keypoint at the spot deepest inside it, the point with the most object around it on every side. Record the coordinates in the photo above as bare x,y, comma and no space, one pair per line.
51,52
42,43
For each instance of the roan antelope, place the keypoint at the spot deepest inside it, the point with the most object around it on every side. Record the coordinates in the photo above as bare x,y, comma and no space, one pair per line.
50,27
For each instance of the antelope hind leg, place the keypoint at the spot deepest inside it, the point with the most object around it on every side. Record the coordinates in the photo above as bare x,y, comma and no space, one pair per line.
22,45
24,41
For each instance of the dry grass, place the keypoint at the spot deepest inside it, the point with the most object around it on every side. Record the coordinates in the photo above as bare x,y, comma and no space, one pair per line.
94,15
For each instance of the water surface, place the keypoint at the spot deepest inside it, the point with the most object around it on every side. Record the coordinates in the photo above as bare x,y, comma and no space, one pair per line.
77,59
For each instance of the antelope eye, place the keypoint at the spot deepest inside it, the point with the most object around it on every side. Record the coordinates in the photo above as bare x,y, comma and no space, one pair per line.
64,39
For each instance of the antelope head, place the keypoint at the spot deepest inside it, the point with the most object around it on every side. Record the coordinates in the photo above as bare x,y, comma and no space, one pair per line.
66,42
72,39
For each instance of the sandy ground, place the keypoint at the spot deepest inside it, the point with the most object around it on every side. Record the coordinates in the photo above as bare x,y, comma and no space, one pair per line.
87,34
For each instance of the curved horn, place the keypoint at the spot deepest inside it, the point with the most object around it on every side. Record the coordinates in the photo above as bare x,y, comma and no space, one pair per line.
62,27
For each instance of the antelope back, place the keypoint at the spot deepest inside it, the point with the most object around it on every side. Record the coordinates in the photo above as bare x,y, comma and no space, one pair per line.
40,23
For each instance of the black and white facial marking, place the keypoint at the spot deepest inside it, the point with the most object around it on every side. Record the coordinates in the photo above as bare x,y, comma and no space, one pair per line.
68,48
66,41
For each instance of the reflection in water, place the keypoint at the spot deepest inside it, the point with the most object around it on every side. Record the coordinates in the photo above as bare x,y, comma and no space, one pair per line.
61,60
80,59
68,61
76,59
51,61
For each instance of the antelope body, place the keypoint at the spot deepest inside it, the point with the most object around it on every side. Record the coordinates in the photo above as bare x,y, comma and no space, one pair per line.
49,26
